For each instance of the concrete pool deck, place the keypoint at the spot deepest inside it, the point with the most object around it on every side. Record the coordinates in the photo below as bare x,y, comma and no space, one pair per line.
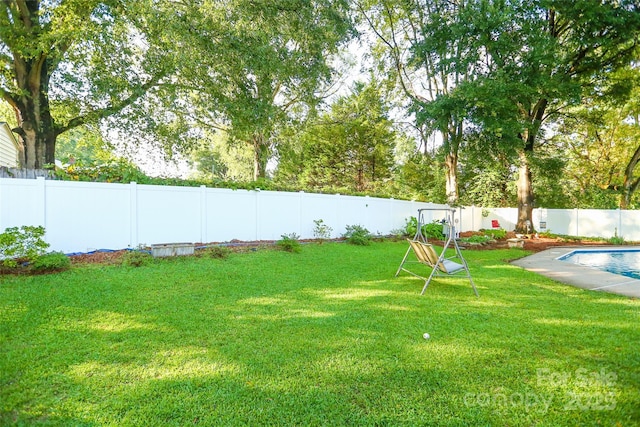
547,264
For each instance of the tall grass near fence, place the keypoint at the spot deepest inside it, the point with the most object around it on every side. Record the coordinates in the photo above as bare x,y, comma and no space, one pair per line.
327,336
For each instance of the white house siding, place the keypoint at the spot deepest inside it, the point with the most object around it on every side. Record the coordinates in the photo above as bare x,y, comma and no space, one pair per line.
8,149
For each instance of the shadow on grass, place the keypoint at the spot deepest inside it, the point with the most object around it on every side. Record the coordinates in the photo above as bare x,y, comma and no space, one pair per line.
327,336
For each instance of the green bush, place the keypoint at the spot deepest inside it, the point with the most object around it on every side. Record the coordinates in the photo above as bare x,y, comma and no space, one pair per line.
289,243
53,261
217,252
136,259
411,226
357,235
477,238
321,230
497,233
433,230
616,240
24,243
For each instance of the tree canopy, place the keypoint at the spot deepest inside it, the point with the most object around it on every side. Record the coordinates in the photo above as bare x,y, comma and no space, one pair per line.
505,69
350,147
64,64
249,67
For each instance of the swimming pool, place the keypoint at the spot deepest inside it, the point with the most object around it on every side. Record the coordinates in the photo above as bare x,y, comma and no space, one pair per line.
625,262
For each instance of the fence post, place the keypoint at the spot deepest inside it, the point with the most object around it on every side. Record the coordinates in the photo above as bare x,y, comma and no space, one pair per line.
300,210
257,219
203,215
367,221
620,232
41,184
577,219
133,215
390,212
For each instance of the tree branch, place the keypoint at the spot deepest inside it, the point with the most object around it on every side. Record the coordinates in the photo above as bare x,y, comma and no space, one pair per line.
628,173
96,115
392,46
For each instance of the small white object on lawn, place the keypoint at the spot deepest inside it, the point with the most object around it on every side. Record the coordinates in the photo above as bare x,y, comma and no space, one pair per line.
426,336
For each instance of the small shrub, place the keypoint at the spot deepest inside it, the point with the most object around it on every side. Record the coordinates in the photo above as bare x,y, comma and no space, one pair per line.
433,230
616,240
289,243
321,230
25,243
410,226
397,233
217,252
136,259
497,234
477,238
357,235
53,261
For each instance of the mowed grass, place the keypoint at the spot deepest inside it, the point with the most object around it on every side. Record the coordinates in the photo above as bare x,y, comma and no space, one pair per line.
325,337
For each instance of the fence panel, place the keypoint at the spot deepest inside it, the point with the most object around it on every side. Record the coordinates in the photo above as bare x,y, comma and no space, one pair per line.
168,214
315,207
230,214
277,213
22,202
81,216
597,223
629,225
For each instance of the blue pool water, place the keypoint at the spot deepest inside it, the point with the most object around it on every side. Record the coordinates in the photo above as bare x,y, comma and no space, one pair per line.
618,261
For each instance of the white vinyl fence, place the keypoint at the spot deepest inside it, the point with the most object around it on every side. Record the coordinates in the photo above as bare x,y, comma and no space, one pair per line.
84,216
571,222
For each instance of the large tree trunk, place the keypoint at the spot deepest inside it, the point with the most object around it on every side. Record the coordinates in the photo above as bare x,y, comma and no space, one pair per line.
38,138
36,128
260,156
451,141
525,196
451,163
524,186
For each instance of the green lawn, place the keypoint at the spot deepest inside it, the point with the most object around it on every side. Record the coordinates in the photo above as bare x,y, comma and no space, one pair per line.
324,337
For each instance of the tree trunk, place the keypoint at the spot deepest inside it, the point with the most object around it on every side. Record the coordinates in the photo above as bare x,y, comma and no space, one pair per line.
451,162
38,140
260,156
535,117
451,142
525,196
629,185
36,128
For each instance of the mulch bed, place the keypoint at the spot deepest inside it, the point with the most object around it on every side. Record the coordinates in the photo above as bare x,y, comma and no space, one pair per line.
533,244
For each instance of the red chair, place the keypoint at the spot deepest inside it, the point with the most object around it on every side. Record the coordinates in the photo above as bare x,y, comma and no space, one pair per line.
495,223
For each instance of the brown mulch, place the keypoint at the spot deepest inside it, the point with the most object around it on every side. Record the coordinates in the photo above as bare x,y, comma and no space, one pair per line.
99,258
533,244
